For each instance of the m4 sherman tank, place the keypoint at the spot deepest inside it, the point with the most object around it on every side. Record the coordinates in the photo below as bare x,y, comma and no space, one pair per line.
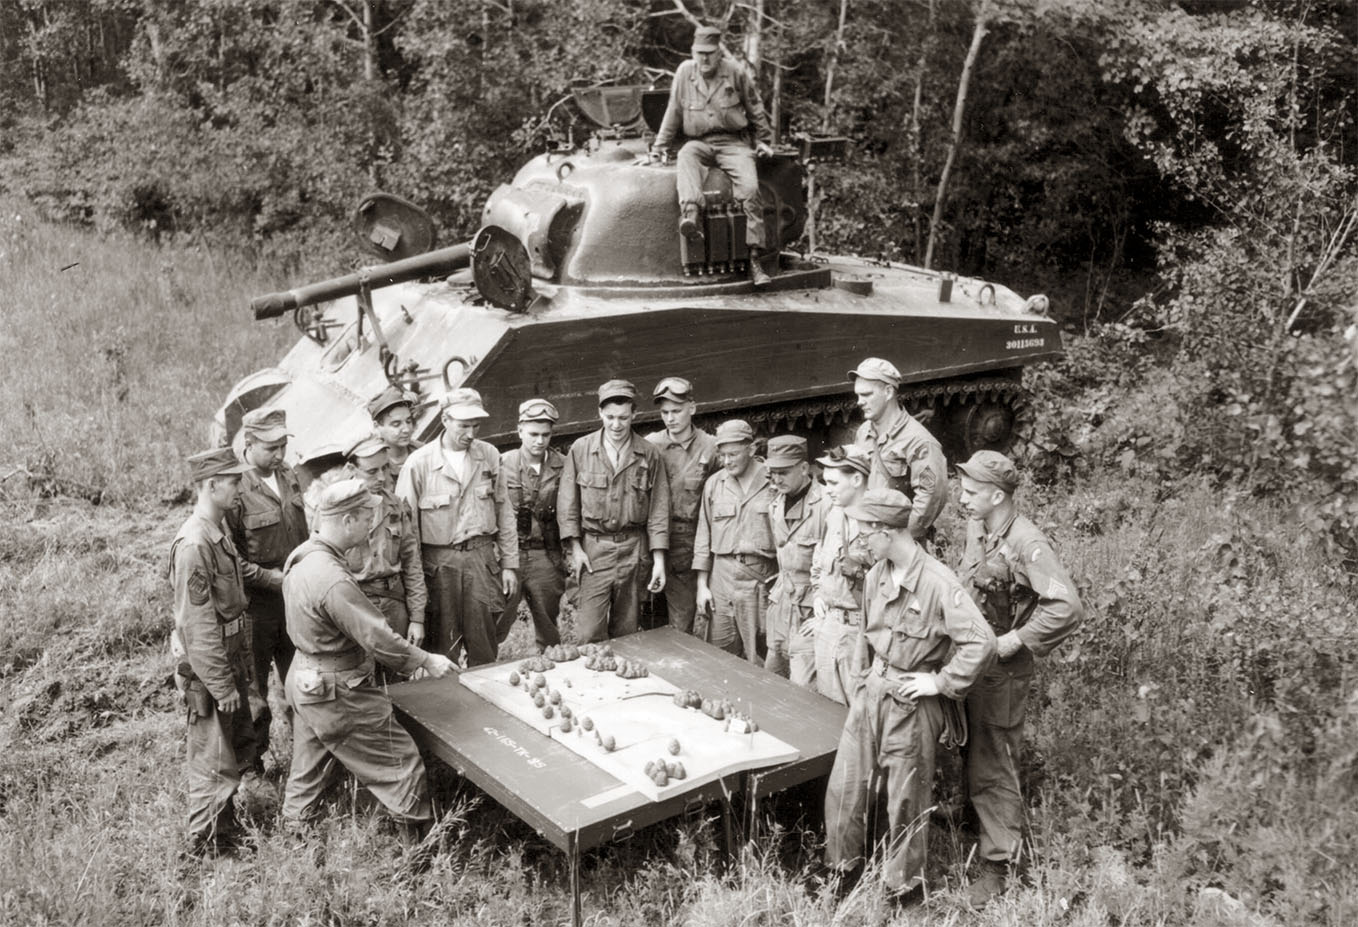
578,276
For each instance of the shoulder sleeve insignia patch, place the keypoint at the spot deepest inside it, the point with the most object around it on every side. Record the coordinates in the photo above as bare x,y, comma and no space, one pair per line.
957,597
199,587
1037,554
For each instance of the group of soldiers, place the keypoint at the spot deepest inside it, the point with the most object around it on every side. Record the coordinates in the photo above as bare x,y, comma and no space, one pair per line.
414,559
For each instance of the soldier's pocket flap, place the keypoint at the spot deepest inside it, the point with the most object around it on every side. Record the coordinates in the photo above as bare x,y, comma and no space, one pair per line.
253,521
724,510
593,480
311,687
436,500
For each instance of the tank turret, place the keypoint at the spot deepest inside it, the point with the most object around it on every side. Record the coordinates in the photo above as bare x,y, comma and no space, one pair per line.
577,275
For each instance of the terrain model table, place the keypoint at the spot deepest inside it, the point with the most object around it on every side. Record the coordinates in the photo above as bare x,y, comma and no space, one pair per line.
576,805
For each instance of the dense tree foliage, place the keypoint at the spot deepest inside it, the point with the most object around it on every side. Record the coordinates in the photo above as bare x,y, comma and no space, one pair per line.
1183,171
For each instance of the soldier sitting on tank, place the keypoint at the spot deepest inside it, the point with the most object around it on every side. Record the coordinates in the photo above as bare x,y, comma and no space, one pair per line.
714,101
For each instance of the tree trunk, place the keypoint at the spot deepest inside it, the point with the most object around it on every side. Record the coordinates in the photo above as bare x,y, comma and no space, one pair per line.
916,136
754,38
370,76
955,141
826,122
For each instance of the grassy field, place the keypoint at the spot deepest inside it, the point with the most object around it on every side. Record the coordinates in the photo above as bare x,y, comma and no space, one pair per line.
1194,753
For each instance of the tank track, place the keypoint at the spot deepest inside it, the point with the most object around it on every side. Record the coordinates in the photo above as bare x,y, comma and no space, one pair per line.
939,405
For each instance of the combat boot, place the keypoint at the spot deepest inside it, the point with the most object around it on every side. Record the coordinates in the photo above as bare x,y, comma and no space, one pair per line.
758,276
688,224
989,881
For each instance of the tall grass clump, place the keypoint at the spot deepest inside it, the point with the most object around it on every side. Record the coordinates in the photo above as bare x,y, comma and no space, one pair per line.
116,355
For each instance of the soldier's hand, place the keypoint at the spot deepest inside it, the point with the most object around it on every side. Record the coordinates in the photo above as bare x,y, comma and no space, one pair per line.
509,582
657,578
1006,645
763,150
415,633
438,666
229,705
818,607
580,562
808,628
703,601
918,685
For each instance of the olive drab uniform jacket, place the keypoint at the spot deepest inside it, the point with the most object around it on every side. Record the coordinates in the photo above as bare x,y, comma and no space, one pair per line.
452,508
906,457
266,527
532,496
841,561
735,523
730,104
795,540
1019,584
688,466
595,498
209,599
329,616
926,623
391,552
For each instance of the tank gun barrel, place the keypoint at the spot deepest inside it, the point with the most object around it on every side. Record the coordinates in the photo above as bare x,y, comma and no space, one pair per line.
430,264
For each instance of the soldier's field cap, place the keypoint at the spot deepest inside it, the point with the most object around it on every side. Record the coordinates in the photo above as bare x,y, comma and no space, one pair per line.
538,410
849,457
391,396
992,467
463,404
220,461
344,496
675,389
734,432
786,451
874,368
884,506
366,446
706,38
265,425
614,390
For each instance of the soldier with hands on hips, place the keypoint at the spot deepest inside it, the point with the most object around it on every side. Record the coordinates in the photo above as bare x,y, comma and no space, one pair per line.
924,645
1031,602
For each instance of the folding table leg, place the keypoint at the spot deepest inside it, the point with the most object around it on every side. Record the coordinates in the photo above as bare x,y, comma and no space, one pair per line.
573,861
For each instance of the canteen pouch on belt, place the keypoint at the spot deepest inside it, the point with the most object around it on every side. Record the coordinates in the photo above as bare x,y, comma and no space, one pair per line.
198,700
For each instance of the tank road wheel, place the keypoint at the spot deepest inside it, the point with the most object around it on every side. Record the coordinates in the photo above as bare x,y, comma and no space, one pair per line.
991,420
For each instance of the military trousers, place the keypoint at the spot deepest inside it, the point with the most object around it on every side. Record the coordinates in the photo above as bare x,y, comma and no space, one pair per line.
610,591
733,155
791,653
995,707
466,599
880,791
542,581
341,721
270,645
398,619
220,747
836,641
740,601
681,587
